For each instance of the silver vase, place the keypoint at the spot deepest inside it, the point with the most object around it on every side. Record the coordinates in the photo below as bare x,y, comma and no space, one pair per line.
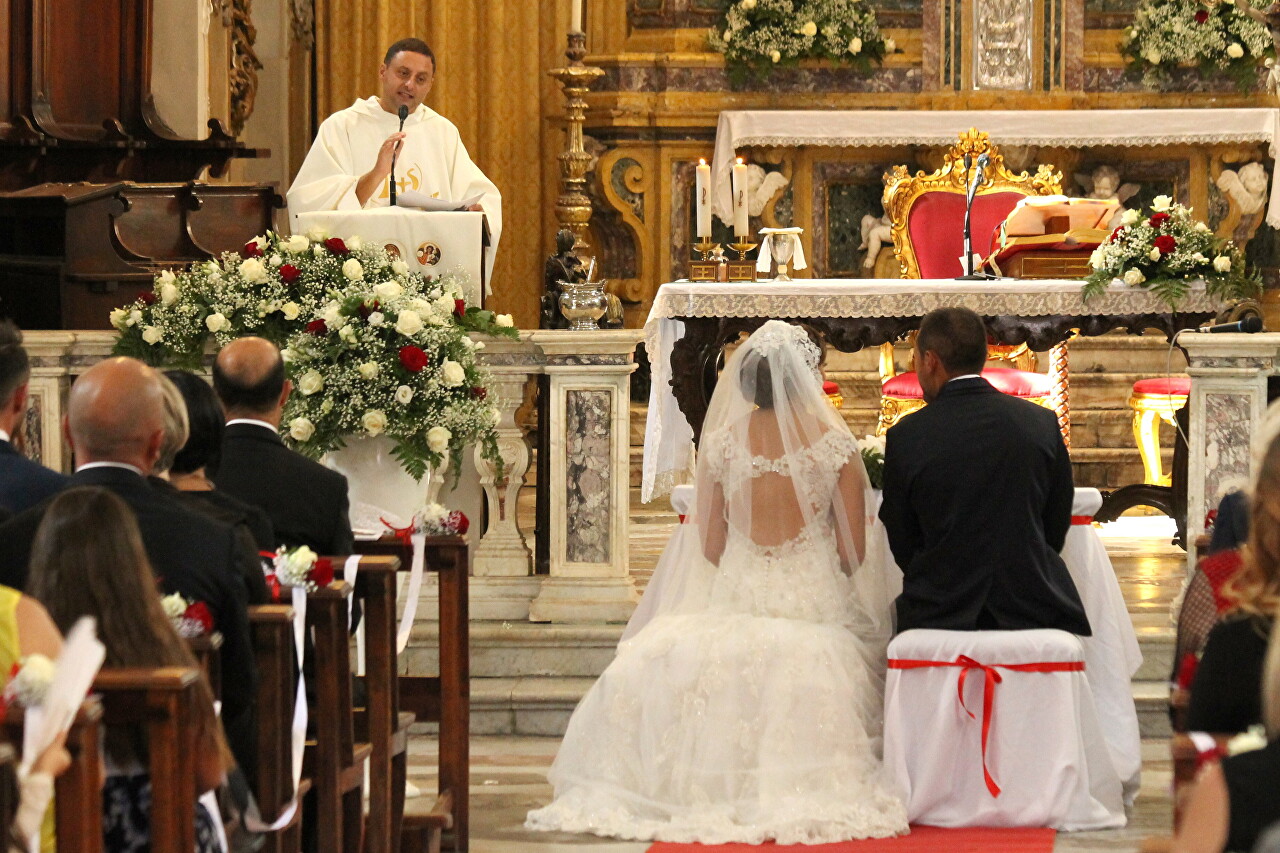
583,304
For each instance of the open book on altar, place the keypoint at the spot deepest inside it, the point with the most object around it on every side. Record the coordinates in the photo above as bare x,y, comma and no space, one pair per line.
433,202
1052,223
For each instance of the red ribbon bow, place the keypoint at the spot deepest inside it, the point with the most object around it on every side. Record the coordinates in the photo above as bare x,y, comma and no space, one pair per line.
990,679
404,534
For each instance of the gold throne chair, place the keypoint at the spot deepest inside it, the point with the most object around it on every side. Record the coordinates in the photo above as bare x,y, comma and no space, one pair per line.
927,222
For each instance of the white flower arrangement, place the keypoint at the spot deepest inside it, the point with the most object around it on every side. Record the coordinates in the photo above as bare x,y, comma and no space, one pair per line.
29,681
299,567
872,449
1254,738
1217,38
755,35
189,618
1165,253
437,520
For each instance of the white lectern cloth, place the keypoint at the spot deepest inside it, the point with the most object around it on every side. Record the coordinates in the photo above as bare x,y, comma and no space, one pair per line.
1045,750
1111,655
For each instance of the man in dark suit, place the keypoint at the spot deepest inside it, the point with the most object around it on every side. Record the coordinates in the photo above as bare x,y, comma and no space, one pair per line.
114,425
305,501
23,483
977,496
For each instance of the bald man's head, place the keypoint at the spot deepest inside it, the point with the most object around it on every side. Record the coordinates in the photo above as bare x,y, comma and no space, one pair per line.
248,375
115,413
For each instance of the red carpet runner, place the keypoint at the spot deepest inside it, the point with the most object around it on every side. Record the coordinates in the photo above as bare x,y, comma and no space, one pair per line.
923,839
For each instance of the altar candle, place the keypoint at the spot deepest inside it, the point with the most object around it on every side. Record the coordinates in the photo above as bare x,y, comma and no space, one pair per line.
741,227
575,25
704,200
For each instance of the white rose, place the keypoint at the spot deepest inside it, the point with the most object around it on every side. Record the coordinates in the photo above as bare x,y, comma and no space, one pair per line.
1153,56
855,46
327,406
495,417
1199,258
310,382
119,318
409,323
1133,278
420,305
438,439
1222,263
1202,228
347,334
368,371
317,250
1129,217
352,270
1096,260
890,45
173,605
399,267
452,374
288,355
404,394
135,317
253,271
317,234
377,318
1235,51
261,242
354,243
297,243
300,562
503,320
168,294
748,5
374,421
290,310
276,260
775,56
152,335
1154,254
333,317
388,290
167,277
809,29
216,322
1161,203
477,345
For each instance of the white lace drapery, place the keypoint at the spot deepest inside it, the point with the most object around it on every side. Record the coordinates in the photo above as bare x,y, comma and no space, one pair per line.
668,443
1071,128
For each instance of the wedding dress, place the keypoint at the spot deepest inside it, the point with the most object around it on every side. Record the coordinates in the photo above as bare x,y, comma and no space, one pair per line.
744,703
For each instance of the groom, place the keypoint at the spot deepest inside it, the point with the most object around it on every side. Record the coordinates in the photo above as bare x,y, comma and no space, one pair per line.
977,496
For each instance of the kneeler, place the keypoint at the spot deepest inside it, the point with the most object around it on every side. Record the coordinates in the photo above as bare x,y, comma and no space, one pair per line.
77,793
271,632
334,759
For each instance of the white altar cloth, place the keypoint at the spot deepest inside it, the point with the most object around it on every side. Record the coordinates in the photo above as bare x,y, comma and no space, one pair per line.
668,440
1071,128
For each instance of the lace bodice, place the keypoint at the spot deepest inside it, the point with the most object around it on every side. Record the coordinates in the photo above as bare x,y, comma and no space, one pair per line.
814,470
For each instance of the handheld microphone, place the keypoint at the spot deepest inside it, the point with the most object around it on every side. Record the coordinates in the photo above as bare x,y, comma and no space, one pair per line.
403,113
1248,325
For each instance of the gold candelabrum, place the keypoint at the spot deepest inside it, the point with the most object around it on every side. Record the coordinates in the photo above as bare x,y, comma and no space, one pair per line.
573,207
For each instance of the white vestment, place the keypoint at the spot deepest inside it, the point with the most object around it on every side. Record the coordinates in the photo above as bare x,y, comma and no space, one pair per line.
432,160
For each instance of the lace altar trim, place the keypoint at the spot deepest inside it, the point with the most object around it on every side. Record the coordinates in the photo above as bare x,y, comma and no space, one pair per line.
1206,137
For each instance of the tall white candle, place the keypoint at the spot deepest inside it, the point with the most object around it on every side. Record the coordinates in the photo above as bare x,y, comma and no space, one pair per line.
703,188
575,26
741,225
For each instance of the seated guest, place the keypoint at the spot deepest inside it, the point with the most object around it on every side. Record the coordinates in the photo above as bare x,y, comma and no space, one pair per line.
23,483
198,459
115,425
88,560
1225,694
306,502
1234,801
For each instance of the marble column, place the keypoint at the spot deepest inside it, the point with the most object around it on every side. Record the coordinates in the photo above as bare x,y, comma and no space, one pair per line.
1228,398
590,404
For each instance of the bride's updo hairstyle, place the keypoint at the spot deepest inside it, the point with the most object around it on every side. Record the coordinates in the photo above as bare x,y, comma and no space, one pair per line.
763,391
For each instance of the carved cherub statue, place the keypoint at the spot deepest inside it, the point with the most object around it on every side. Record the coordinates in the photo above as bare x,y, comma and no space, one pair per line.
761,187
1104,183
1246,188
876,231
564,265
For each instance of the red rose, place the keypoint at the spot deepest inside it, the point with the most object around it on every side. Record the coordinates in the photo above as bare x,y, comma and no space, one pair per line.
412,358
198,611
289,273
251,249
148,298
459,307
1202,16
479,393
457,522
1165,244
1115,235
322,572
335,245
317,328
1158,219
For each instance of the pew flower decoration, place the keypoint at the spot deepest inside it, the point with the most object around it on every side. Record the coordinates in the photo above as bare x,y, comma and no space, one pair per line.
1254,738
189,618
436,520
298,567
757,35
29,681
1167,250
1217,38
391,358
872,449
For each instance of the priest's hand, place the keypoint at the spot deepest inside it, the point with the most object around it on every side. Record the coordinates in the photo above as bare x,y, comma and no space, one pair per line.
371,180
474,207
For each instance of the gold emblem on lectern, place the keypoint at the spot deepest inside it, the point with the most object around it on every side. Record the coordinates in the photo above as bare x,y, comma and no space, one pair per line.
428,254
393,250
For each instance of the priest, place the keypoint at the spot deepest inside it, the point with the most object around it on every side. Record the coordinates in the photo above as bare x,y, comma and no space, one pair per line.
349,166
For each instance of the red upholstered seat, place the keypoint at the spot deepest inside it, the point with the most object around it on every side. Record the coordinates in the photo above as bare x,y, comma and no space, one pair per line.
1170,385
1018,383
935,225
830,388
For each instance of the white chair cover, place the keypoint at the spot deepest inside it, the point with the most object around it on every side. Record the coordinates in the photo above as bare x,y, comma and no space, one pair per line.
1045,750
1111,655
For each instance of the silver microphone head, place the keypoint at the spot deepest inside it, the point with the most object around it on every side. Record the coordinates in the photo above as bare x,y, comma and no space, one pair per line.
983,158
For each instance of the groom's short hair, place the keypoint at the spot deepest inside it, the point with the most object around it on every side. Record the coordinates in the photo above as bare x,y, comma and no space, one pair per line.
957,336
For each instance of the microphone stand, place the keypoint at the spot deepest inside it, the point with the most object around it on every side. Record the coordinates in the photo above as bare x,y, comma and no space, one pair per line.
403,113
978,177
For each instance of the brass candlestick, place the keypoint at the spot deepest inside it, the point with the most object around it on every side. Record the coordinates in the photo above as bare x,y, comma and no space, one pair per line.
573,207
706,268
742,269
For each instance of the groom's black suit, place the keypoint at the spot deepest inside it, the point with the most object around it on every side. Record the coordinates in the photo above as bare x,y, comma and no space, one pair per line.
977,504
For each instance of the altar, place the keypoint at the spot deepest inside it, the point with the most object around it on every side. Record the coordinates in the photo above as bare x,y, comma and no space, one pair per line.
690,323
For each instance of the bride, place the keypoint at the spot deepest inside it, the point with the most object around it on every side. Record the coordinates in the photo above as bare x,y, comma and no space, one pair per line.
744,703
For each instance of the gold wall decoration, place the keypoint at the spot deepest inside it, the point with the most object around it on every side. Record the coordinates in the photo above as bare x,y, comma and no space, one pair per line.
237,15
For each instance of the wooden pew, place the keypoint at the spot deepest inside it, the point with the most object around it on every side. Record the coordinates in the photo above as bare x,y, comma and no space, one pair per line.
335,761
9,794
208,653
271,630
445,699
78,791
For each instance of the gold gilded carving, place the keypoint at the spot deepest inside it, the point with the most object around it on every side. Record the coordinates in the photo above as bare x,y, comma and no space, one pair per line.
634,179
237,15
